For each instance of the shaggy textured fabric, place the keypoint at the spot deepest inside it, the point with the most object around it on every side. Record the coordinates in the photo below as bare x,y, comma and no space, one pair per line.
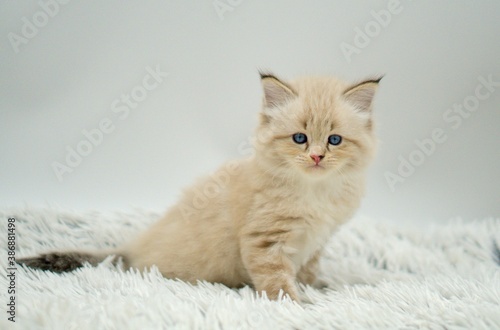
378,276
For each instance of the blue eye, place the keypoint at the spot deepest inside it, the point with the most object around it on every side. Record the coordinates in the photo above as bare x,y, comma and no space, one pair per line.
334,139
299,138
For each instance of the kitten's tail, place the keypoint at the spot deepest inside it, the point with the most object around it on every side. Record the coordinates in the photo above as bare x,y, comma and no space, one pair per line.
60,262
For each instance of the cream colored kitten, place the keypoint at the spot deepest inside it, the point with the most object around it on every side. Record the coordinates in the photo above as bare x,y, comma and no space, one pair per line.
267,217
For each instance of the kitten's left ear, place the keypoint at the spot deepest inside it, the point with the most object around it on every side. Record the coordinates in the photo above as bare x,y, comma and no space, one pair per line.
361,95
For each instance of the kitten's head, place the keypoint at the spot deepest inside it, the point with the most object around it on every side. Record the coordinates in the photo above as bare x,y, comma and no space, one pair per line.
316,126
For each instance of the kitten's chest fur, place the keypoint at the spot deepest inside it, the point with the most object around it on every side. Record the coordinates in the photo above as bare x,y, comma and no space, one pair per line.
319,210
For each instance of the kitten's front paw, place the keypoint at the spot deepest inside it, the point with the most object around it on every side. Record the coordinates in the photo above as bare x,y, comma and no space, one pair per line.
279,294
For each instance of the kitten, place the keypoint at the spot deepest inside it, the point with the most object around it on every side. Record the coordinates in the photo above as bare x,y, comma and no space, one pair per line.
264,220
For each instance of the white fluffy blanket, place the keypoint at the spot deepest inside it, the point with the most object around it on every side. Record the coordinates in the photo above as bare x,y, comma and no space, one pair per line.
379,276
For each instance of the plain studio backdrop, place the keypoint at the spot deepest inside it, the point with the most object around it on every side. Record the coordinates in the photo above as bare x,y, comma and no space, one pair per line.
114,105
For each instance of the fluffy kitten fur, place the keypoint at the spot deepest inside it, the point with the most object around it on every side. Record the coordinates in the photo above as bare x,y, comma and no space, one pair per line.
264,220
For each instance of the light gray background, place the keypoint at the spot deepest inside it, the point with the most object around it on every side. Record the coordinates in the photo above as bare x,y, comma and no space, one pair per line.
65,79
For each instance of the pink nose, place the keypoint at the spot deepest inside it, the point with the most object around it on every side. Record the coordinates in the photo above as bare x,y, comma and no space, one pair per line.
317,158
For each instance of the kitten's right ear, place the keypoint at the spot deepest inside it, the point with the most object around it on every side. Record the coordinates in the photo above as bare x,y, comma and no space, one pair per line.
276,92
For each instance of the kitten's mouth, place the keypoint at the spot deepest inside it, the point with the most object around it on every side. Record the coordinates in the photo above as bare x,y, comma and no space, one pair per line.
316,167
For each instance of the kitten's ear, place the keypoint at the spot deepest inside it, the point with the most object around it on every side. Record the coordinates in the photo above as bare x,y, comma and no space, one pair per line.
361,95
276,92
